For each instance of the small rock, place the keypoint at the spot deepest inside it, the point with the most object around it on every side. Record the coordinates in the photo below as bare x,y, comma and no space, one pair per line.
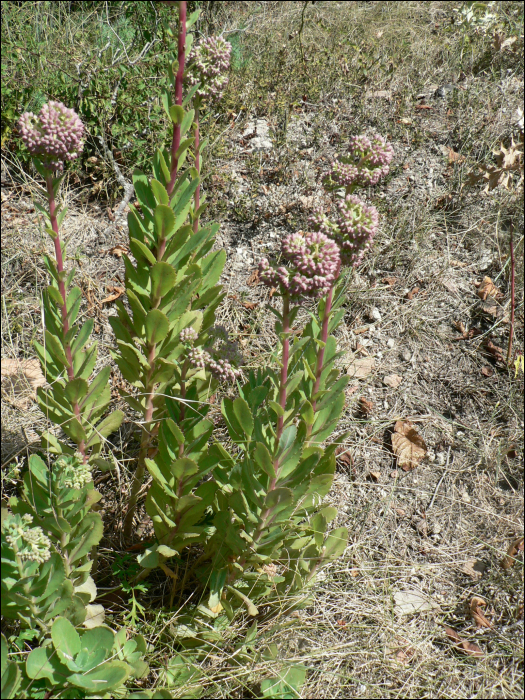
440,458
406,355
392,380
390,343
375,314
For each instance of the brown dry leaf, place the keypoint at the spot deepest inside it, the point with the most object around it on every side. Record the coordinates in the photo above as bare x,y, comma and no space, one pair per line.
413,292
488,288
30,369
375,476
114,293
390,281
407,445
444,201
477,614
359,369
457,263
468,648
494,350
118,250
474,568
366,407
487,371
392,380
510,557
424,107
111,217
344,456
253,279
250,305
454,157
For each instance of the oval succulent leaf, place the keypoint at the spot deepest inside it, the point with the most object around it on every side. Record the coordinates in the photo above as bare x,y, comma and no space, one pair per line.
157,326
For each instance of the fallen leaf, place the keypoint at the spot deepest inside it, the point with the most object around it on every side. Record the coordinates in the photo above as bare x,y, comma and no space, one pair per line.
390,281
359,369
454,157
344,456
401,651
413,292
487,371
114,293
366,407
494,350
510,558
375,476
110,214
488,288
474,568
444,201
410,602
423,107
468,648
457,263
253,279
18,376
118,250
477,614
392,380
408,446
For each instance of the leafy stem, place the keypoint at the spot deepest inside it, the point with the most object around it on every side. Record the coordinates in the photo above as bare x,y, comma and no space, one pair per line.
175,143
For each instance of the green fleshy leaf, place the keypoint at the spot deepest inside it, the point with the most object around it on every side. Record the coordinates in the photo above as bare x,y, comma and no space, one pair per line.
143,190
157,326
141,251
76,389
43,662
184,147
87,363
335,544
103,679
264,459
54,346
163,279
106,427
87,535
176,114
73,304
164,221
82,337
66,639
187,121
244,415
159,192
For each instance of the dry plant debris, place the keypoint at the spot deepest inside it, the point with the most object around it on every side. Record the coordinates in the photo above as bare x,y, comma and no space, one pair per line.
464,646
361,368
477,614
510,558
407,445
487,288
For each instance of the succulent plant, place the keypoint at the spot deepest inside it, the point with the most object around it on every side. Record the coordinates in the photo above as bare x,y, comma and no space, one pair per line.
366,161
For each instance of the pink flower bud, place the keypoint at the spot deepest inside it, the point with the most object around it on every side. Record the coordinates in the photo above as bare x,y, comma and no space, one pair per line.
54,135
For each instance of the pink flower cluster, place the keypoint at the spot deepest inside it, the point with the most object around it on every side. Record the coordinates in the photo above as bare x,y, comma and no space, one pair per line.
315,263
206,64
188,335
54,135
221,357
355,226
367,161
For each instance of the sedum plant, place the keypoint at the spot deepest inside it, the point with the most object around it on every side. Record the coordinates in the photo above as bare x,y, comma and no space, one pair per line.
72,664
252,515
71,401
46,542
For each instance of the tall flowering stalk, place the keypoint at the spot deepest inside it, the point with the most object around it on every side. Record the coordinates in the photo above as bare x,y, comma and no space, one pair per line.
52,137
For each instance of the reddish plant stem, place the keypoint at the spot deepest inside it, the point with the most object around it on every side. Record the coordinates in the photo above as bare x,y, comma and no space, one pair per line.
512,293
175,143
149,386
62,290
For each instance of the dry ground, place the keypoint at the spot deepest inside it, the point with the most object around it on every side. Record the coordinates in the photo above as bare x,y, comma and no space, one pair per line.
441,530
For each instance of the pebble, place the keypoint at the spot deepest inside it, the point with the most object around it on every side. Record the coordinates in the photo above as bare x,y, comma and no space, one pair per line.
440,458
406,355
375,314
390,342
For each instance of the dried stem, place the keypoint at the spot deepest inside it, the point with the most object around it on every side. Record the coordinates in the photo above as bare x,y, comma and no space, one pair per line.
512,293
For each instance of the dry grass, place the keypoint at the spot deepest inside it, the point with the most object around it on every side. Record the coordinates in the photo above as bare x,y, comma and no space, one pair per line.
419,531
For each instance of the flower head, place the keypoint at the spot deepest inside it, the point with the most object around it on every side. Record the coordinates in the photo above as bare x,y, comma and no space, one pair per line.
72,472
314,265
353,230
54,135
207,63
188,335
29,543
367,161
220,356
